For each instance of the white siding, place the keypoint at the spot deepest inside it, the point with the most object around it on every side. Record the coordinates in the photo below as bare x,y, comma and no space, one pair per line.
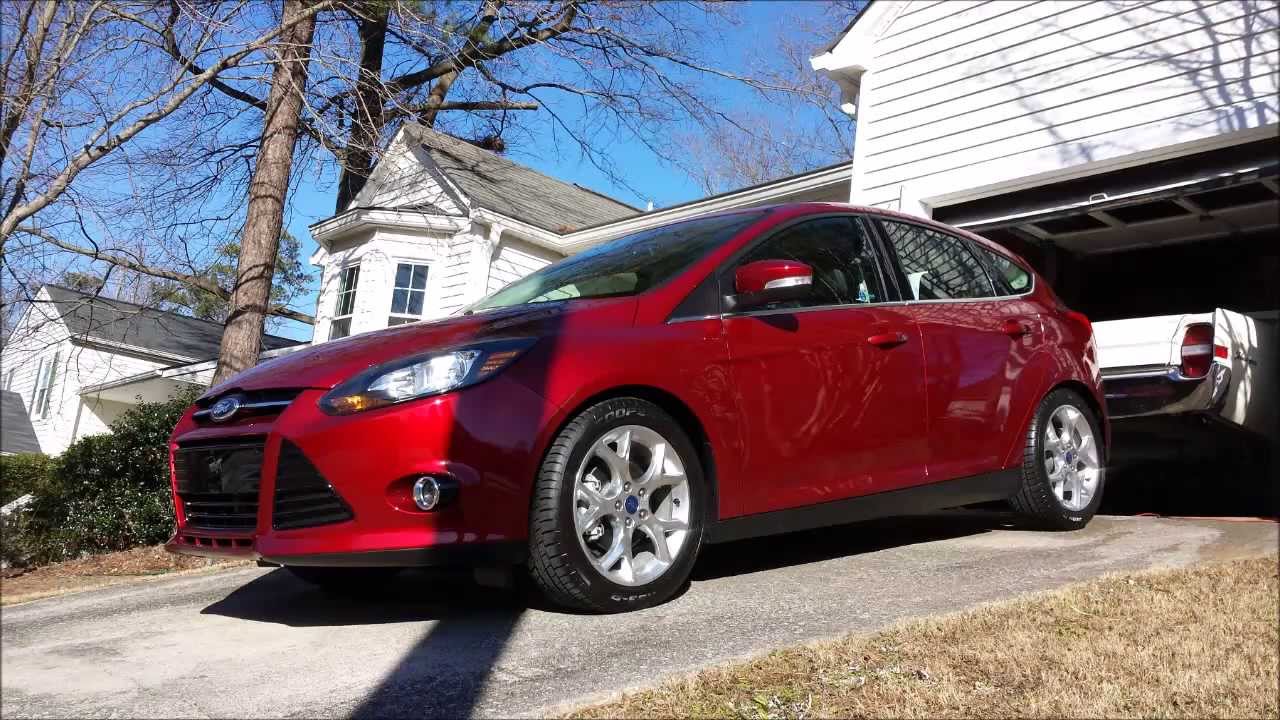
378,254
40,335
455,276
515,260
971,94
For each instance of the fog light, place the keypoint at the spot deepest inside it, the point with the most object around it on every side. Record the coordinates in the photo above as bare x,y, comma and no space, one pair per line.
426,493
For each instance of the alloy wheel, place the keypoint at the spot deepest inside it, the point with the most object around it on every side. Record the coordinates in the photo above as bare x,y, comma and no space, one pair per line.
1071,457
631,509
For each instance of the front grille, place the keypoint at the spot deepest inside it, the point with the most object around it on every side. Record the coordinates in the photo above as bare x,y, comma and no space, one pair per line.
303,497
254,405
218,485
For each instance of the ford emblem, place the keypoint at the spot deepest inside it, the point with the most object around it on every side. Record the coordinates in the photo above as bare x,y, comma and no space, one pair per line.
225,408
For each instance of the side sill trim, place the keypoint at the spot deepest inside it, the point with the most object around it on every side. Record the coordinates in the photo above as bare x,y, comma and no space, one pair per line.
997,485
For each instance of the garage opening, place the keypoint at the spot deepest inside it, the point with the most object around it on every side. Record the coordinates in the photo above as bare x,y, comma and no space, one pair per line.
1186,235
1178,236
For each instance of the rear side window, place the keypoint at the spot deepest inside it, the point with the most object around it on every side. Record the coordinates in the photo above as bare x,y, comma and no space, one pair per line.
1009,277
843,259
937,266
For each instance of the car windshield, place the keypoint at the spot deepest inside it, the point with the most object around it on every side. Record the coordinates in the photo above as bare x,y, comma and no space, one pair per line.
626,266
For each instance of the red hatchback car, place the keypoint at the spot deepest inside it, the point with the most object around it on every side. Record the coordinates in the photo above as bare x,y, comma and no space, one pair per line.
734,375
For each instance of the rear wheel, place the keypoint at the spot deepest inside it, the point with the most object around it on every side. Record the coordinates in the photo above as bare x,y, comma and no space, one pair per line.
1062,469
616,519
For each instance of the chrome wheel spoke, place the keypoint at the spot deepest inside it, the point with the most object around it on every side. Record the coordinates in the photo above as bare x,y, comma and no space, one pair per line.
1089,453
658,536
617,548
657,464
619,468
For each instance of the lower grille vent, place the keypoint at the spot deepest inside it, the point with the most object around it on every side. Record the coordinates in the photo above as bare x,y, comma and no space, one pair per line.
218,485
303,497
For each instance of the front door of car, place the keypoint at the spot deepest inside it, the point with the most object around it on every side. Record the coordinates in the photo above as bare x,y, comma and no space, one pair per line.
830,388
977,345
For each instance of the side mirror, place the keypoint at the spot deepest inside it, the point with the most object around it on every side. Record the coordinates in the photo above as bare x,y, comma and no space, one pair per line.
768,281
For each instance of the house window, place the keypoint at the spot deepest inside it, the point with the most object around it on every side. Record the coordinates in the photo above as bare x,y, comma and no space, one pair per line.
8,379
347,282
42,395
409,295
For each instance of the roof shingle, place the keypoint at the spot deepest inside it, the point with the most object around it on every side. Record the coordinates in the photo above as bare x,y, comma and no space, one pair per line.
495,183
116,321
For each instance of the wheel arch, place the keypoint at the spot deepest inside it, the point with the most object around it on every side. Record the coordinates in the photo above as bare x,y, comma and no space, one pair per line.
683,414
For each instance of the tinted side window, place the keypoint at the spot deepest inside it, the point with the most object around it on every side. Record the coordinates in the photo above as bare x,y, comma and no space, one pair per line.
938,266
1010,279
841,255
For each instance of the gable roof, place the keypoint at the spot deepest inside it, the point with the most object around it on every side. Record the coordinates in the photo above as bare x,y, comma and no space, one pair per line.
495,183
852,21
93,317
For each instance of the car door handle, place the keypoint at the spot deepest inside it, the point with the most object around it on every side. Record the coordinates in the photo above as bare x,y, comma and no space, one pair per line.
887,339
1016,328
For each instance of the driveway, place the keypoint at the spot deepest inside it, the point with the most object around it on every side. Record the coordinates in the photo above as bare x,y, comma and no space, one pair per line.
256,642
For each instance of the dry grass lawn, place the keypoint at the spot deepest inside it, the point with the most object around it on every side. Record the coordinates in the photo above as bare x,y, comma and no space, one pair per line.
1197,643
21,585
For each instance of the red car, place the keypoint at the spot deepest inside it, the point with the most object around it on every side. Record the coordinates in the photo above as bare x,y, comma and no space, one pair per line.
734,375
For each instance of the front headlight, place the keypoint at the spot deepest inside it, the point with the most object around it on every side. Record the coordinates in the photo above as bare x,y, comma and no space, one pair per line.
422,375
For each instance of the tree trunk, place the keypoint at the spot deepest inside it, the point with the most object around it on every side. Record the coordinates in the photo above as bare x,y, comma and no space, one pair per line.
251,296
368,120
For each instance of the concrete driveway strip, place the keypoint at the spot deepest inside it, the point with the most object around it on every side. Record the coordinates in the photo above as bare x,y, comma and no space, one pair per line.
258,643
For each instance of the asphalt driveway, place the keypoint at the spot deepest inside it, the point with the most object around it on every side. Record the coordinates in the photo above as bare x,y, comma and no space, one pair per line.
256,642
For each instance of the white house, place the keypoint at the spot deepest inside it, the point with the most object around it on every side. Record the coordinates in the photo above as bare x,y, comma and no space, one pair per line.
75,361
442,223
1127,148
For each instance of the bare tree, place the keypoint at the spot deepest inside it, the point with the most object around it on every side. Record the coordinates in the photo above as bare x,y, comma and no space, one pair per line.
96,132
800,125
591,72
260,243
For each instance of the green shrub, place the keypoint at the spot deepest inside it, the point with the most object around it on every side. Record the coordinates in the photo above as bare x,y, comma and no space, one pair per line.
21,474
105,492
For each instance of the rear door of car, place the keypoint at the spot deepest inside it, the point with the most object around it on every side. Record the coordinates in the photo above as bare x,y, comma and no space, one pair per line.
831,390
979,334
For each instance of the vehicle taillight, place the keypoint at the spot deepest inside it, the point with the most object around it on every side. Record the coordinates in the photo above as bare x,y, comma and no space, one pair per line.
1197,350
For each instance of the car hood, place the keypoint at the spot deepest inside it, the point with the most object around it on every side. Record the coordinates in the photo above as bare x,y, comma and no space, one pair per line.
327,364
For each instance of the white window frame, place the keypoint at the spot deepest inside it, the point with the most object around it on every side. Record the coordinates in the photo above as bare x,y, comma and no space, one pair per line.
337,303
42,392
406,317
8,378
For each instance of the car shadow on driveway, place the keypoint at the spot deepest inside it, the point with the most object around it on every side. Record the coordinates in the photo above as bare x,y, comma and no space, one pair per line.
800,548
446,672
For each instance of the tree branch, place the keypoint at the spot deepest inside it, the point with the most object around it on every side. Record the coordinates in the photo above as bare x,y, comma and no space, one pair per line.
117,260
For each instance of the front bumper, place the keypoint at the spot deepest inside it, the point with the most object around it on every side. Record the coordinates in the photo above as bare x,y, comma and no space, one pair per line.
1143,392
484,439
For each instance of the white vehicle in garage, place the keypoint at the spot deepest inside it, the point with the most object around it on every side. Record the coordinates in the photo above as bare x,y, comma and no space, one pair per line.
1220,366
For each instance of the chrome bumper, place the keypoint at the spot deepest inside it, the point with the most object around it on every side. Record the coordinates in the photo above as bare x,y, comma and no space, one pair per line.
1140,392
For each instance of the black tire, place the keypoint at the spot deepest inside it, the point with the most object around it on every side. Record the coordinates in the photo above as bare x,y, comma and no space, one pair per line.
557,562
1035,499
345,580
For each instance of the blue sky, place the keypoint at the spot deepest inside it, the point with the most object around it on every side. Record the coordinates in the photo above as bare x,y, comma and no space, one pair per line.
653,179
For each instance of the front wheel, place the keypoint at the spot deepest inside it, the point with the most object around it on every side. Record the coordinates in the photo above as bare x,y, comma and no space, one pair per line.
617,513
1062,470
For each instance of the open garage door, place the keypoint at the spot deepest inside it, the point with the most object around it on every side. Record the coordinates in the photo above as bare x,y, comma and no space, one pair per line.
1183,235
